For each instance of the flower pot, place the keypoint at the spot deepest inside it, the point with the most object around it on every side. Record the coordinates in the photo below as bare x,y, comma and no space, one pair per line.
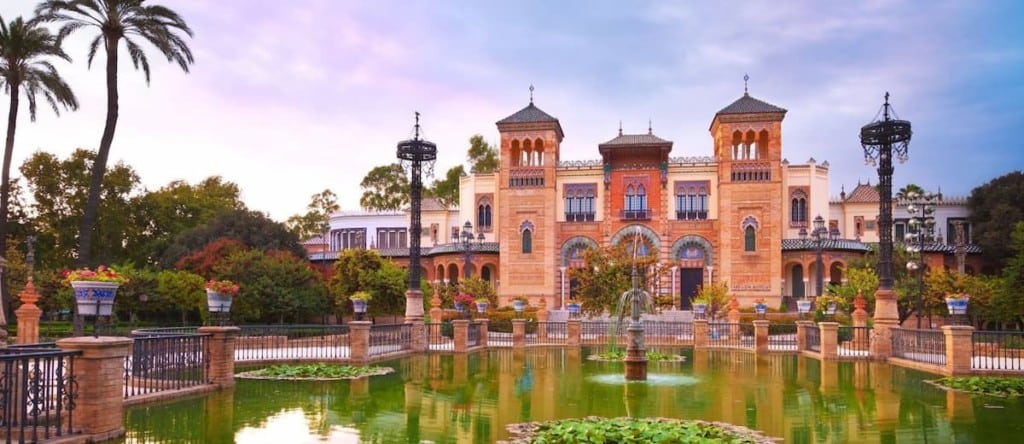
700,309
956,306
803,306
761,309
830,309
460,307
519,306
217,302
94,298
574,310
481,307
359,306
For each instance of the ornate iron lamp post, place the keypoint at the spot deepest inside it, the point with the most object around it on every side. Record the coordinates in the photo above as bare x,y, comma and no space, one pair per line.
413,153
465,240
922,230
816,239
881,140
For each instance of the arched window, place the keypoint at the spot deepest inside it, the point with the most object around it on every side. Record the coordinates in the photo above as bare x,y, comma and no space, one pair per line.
798,209
483,213
527,241
749,239
642,198
629,197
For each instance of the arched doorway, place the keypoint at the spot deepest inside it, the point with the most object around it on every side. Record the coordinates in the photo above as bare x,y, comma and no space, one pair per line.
797,281
835,273
691,255
453,274
485,273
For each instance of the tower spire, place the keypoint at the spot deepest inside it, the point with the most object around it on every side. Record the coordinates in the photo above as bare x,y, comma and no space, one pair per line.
531,94
745,79
650,129
620,127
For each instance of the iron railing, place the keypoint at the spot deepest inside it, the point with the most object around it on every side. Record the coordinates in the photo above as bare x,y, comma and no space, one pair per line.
730,335
440,337
499,333
546,333
928,346
473,335
813,335
600,333
854,342
782,337
390,338
166,362
668,333
38,393
998,350
292,342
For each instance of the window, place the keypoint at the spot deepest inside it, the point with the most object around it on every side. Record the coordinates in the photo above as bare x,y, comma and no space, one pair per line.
351,238
951,230
692,200
394,237
798,209
579,202
899,227
527,241
483,214
749,239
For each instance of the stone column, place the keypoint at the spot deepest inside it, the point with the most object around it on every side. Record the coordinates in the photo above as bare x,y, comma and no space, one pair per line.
801,335
573,328
359,341
483,331
418,330
222,354
460,334
861,339
734,321
886,319
700,333
829,340
518,333
761,336
28,315
99,372
959,349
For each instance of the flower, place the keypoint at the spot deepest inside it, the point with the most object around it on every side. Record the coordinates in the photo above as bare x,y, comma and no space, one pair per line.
223,288
463,298
759,301
520,299
361,296
102,274
958,296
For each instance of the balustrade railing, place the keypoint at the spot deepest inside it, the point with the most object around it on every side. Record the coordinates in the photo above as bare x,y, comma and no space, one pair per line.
440,336
928,346
813,335
390,338
782,337
546,333
730,335
39,393
854,342
166,362
997,350
292,342
668,333
473,335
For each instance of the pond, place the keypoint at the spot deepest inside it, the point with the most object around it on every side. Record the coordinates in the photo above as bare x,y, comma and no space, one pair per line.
471,398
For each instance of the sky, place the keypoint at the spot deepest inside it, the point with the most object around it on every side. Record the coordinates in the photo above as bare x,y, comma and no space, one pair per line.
287,99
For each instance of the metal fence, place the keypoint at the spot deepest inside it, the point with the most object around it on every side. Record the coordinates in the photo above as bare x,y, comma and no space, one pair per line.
782,337
545,333
499,333
854,342
928,346
390,338
813,335
730,335
166,362
292,342
440,336
600,333
668,333
473,334
998,350
38,391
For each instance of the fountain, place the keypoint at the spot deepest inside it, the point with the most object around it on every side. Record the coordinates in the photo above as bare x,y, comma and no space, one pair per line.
637,300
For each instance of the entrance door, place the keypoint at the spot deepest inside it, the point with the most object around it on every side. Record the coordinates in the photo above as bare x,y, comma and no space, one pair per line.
798,282
690,280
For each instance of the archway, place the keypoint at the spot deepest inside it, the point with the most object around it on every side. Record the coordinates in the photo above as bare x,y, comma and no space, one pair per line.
453,274
573,248
691,254
797,281
835,273
650,238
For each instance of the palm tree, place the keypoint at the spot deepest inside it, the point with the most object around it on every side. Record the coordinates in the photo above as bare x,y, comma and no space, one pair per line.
117,20
909,190
24,50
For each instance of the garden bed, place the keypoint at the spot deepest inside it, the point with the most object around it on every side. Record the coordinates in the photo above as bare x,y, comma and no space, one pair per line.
599,430
315,372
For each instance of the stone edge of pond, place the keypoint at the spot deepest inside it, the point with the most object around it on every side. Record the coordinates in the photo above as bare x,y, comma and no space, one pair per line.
380,371
936,383
524,432
675,358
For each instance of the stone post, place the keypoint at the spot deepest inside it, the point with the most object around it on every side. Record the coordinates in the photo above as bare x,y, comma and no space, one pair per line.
761,336
861,339
700,333
460,333
28,315
222,354
542,319
829,340
483,331
573,327
359,341
959,349
418,330
734,322
99,372
801,335
518,333
886,319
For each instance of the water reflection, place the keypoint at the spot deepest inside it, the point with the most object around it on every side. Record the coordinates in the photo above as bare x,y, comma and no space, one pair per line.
471,398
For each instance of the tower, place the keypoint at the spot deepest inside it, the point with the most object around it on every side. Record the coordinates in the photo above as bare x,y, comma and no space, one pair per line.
748,148
526,197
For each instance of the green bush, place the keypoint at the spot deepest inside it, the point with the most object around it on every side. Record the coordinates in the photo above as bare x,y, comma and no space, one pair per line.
635,430
986,385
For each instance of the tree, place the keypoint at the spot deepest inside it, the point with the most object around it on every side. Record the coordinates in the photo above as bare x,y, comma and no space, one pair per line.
116,20
385,188
447,191
608,274
365,270
483,158
275,286
996,208
174,209
909,189
183,289
252,228
318,214
479,288
24,50
202,262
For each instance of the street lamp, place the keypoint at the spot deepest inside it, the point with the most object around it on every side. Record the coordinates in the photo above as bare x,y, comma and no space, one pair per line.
921,207
414,152
816,239
466,241
880,140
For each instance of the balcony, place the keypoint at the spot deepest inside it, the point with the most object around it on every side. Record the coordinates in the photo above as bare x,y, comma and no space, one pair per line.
751,172
692,215
526,177
579,217
636,214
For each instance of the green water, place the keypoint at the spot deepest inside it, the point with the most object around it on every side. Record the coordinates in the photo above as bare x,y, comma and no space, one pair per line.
470,399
